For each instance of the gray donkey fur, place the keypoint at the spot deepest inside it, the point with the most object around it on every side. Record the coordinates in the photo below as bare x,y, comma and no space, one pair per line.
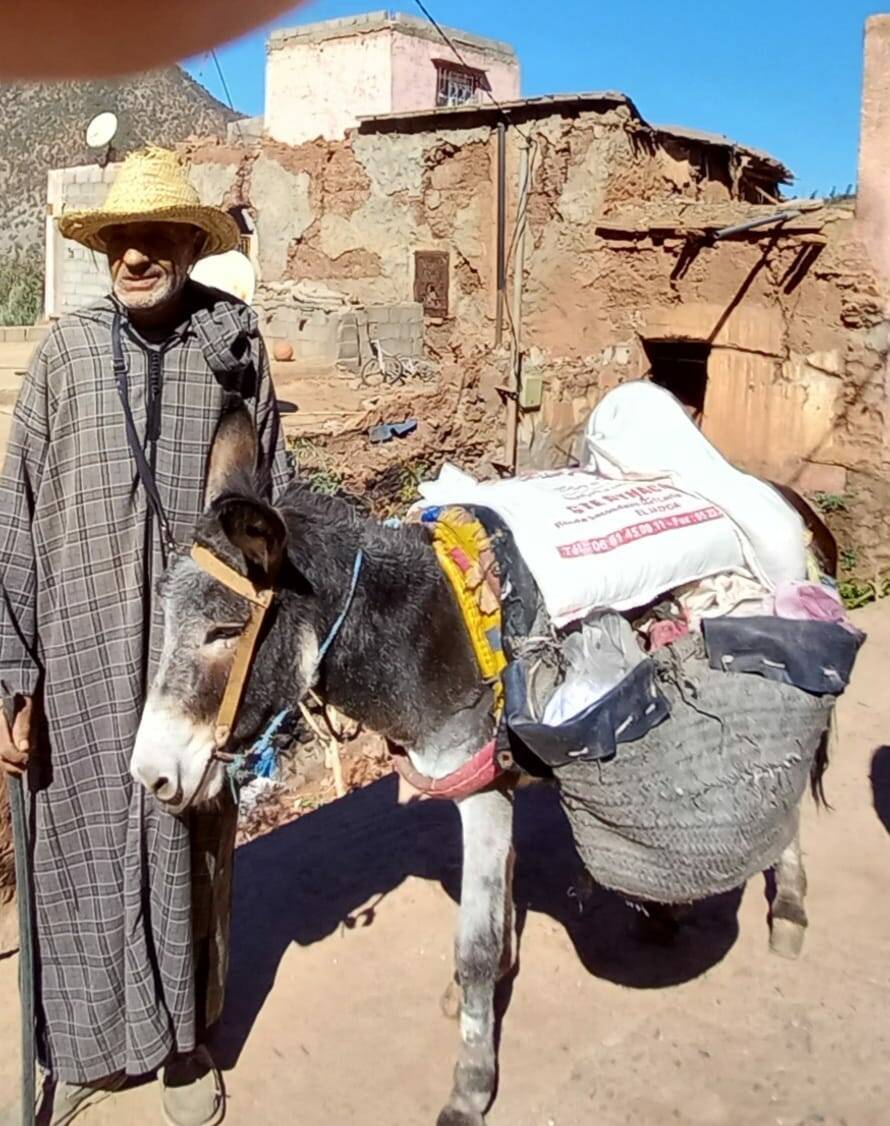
402,664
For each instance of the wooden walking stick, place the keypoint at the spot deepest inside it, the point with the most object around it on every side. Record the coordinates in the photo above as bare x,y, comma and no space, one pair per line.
21,842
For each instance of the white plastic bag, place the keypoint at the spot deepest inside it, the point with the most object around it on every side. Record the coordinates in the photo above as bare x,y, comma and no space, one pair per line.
597,656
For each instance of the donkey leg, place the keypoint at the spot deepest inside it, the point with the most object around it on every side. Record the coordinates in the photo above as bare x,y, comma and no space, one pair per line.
451,1000
484,923
788,917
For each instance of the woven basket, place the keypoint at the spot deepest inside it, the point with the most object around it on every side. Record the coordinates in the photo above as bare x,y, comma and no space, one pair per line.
707,799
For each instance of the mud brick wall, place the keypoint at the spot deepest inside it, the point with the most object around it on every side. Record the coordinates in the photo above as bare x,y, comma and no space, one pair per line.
618,256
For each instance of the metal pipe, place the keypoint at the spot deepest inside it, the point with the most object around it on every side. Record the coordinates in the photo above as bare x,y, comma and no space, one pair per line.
515,382
500,253
739,228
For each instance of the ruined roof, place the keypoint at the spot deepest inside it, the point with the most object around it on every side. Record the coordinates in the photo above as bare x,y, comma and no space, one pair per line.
369,22
700,136
678,217
525,109
529,107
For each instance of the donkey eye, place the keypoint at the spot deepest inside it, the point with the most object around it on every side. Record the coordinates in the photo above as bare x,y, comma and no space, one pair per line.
223,633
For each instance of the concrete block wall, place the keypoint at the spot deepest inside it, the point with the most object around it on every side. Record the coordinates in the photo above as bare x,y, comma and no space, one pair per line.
399,328
86,278
23,334
324,339
75,276
313,334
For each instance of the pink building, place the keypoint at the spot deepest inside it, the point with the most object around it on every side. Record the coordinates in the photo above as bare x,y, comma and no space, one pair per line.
873,193
322,77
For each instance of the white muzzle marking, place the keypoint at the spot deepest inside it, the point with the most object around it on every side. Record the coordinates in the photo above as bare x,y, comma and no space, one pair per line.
172,757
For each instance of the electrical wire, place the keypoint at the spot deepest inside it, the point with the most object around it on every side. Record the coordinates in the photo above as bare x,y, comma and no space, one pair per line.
225,86
532,147
486,89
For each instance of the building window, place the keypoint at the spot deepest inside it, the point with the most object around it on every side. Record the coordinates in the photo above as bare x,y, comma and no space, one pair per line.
431,281
457,85
245,228
681,367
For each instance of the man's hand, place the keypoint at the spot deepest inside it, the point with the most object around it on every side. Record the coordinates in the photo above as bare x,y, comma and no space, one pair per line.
16,742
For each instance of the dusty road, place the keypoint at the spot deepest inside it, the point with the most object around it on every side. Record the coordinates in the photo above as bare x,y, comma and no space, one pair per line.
333,1017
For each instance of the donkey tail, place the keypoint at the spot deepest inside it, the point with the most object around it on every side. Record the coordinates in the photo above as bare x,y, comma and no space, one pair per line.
824,751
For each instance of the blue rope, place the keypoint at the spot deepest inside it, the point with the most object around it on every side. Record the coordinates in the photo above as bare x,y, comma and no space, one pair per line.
338,624
261,761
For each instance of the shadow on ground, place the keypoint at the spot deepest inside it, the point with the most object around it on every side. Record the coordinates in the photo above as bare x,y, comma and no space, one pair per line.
880,785
307,879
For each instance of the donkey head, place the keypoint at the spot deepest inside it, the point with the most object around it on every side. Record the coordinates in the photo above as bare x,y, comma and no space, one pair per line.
173,756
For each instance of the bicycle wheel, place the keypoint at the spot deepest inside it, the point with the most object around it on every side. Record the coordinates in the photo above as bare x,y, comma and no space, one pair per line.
370,370
393,371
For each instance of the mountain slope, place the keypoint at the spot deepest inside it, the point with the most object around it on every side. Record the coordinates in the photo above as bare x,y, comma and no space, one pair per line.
42,126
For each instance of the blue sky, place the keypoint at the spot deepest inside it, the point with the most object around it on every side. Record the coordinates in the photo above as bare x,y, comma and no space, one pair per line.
784,77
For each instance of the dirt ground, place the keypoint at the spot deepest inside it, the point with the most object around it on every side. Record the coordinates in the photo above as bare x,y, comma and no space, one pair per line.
342,946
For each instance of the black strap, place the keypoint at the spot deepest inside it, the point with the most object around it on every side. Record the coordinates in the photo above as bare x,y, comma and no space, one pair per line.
146,476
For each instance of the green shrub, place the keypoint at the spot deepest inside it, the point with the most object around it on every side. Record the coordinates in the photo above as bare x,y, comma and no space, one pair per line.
21,289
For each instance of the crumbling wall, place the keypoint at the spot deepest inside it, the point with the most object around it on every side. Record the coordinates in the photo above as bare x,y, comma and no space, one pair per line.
797,373
617,253
614,256
352,213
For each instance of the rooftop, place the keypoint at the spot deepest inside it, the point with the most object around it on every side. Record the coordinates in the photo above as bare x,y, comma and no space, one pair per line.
802,217
526,109
370,22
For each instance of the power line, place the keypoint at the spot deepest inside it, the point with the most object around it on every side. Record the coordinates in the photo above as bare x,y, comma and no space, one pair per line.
450,43
526,189
225,86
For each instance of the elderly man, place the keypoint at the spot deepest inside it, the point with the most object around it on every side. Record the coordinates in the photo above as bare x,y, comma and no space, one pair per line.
105,469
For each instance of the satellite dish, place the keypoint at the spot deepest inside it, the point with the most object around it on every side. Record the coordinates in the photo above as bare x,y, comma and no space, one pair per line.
101,130
232,272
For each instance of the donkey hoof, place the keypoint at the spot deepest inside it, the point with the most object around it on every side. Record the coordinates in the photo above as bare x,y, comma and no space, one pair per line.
451,1000
460,1116
786,938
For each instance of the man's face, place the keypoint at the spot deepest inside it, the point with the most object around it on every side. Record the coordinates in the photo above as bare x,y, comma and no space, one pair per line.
150,261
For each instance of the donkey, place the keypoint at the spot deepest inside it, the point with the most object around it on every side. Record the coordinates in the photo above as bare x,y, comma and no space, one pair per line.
401,663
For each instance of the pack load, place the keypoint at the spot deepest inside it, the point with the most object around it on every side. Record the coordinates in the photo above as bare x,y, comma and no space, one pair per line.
673,654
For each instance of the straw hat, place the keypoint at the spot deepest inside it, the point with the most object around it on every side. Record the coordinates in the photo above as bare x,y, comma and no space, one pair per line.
152,186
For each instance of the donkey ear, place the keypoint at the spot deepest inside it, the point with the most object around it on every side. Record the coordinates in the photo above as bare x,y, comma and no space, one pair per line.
234,450
257,531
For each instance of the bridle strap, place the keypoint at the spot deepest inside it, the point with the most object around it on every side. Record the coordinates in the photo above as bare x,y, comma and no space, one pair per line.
260,601
229,577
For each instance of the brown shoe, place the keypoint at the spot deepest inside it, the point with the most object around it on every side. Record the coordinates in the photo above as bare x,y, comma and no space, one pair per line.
192,1090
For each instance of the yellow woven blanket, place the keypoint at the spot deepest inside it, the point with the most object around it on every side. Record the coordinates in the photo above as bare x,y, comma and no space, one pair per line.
467,560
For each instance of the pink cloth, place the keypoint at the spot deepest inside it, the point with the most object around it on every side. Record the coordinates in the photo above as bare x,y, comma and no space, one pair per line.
808,602
666,632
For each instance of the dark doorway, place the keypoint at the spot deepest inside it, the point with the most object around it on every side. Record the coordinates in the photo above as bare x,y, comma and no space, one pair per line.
681,367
